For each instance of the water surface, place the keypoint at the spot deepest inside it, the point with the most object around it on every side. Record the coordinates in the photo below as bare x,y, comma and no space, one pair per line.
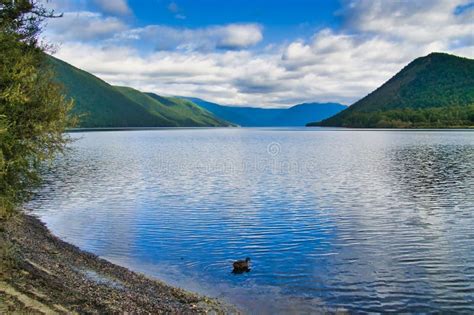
366,221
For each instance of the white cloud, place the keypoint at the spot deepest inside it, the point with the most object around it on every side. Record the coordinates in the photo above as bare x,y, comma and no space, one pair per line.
64,5
420,22
83,25
119,7
237,35
232,77
216,63
232,36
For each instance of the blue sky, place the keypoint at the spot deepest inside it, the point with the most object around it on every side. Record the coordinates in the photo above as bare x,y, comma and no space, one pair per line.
282,20
261,53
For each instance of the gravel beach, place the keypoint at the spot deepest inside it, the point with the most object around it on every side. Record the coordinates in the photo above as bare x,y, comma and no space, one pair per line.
47,275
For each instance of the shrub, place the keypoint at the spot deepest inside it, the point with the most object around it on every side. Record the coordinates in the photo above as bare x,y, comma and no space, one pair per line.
33,110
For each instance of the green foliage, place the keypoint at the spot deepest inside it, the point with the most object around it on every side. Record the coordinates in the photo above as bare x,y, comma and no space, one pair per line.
100,104
436,91
436,117
33,112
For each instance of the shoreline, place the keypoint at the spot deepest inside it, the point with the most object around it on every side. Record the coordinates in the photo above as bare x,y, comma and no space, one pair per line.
49,275
95,129
307,128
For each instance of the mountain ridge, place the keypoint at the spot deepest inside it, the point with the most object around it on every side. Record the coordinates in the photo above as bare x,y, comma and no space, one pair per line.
247,116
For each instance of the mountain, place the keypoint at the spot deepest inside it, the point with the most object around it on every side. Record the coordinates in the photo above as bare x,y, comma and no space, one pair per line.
435,91
271,117
298,114
177,111
100,104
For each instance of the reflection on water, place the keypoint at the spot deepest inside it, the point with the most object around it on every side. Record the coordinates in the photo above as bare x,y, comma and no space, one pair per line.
357,220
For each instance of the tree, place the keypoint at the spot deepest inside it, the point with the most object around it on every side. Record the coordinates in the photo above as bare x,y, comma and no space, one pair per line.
33,111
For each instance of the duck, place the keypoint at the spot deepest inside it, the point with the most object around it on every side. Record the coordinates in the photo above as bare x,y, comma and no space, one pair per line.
241,266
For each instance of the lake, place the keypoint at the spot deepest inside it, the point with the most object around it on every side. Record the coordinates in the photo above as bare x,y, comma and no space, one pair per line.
365,221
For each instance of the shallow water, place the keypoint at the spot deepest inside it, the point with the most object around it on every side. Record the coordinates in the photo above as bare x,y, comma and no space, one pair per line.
366,221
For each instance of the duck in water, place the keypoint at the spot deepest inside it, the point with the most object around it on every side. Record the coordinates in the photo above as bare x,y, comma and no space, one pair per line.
241,266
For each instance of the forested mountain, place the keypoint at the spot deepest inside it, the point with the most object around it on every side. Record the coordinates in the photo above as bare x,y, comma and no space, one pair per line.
100,104
435,91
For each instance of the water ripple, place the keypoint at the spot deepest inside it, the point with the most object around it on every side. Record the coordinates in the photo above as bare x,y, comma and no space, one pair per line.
378,221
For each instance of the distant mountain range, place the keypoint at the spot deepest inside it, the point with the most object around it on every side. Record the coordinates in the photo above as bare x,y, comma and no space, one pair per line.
435,91
297,115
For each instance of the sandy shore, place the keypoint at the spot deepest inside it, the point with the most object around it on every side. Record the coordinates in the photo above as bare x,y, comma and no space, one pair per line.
50,276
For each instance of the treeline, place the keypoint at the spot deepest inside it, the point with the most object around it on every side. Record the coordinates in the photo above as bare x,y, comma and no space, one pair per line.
437,117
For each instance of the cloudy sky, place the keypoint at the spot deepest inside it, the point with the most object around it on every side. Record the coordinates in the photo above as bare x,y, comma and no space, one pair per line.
260,53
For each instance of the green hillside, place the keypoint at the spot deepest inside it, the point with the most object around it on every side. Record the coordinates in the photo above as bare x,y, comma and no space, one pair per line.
100,104
191,110
435,91
175,110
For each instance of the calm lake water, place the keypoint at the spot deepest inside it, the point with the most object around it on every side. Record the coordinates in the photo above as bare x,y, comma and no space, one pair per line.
366,221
